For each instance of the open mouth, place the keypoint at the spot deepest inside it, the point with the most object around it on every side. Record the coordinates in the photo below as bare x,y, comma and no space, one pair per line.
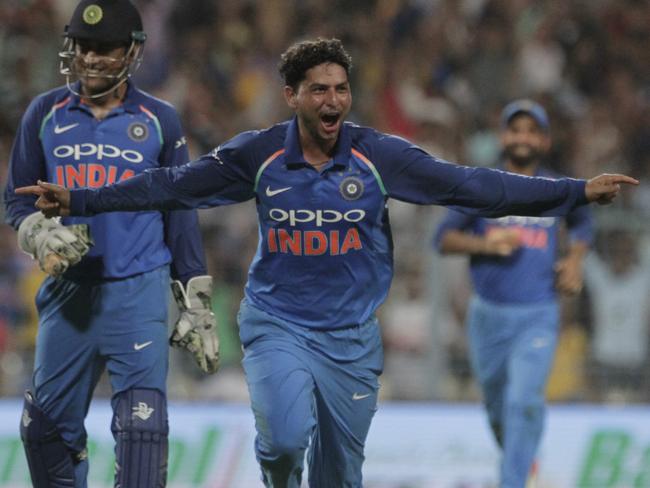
330,121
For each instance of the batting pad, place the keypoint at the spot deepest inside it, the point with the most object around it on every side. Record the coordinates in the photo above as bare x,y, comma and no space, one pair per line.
50,461
140,429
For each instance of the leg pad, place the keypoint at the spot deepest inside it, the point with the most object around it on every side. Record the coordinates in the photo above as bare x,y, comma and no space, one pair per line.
140,429
51,463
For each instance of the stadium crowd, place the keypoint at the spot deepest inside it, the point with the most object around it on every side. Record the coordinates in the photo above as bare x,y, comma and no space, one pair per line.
435,71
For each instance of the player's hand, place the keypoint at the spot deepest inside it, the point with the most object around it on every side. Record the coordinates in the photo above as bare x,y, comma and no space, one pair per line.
602,189
196,329
569,276
502,242
53,200
55,246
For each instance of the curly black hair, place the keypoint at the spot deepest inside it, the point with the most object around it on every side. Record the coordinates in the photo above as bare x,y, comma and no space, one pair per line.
304,55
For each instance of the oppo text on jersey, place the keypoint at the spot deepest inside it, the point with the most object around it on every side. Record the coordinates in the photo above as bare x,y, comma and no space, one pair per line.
100,151
319,216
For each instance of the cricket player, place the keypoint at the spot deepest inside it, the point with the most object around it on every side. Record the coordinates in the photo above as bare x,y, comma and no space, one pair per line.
513,319
312,347
104,303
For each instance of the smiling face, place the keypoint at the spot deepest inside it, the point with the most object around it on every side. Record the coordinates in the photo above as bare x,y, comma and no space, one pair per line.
524,142
322,102
99,65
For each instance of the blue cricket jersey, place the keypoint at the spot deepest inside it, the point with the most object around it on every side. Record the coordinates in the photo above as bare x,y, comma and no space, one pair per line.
325,254
60,140
527,276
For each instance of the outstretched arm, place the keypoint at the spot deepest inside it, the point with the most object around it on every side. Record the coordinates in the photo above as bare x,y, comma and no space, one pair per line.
410,174
56,200
223,177
207,182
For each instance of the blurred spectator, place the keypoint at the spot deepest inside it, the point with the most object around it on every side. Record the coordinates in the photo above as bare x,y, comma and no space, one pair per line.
618,280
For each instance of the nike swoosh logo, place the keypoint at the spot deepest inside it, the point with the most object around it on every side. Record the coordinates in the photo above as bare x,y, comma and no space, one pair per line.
65,128
270,193
137,346
356,396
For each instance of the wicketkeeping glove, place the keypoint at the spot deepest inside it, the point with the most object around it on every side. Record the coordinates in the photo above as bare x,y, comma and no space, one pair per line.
55,246
196,329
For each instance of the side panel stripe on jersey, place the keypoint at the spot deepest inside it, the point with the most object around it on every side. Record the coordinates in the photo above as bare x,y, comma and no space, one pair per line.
49,115
265,165
375,173
155,121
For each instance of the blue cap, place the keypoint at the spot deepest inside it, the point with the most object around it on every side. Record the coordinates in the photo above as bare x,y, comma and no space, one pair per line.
528,107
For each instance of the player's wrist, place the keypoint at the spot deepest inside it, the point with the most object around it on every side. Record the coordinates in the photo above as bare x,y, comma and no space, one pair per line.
584,195
78,202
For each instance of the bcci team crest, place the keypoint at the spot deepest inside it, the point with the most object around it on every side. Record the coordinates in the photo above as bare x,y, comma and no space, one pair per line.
351,188
138,131
92,14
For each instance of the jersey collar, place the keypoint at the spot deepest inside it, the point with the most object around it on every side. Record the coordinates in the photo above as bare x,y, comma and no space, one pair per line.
130,103
293,151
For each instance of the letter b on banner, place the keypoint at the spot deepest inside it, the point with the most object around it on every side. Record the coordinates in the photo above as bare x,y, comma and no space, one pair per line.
605,461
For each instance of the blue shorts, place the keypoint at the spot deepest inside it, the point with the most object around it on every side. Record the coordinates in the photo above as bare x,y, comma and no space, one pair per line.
84,328
312,388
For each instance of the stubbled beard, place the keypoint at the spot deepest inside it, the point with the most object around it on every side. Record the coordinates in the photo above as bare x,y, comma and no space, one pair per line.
90,90
519,160
105,84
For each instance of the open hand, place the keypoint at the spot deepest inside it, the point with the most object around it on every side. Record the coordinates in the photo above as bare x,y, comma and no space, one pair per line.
53,200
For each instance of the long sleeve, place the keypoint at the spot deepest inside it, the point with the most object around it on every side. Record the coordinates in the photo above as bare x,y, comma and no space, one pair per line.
412,175
182,232
26,164
223,177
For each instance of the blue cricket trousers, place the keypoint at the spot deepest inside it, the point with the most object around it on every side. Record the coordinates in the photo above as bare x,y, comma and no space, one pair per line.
84,328
310,390
512,349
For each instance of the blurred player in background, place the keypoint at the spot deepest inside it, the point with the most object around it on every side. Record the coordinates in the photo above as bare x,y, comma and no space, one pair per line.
513,319
312,346
104,303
